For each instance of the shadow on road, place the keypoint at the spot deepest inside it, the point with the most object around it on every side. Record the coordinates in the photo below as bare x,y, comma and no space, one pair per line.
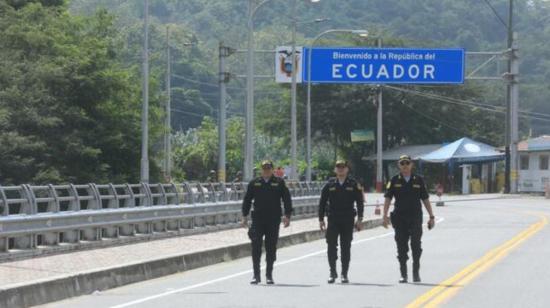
366,284
290,285
203,293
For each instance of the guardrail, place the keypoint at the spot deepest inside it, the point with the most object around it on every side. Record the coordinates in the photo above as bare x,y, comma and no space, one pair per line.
34,217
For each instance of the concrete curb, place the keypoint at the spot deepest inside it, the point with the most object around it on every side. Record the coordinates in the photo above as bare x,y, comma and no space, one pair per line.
47,291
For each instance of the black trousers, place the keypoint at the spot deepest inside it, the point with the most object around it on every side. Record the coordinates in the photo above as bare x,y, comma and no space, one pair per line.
339,227
408,229
261,228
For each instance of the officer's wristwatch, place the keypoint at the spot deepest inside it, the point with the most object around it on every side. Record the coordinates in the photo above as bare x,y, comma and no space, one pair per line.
432,217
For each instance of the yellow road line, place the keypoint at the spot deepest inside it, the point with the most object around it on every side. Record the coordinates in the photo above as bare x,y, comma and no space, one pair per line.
447,288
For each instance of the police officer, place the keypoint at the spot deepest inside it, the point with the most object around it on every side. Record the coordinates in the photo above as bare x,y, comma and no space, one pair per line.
267,191
409,190
341,199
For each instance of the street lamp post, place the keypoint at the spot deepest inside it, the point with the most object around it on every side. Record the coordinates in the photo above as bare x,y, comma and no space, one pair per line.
379,116
249,112
168,116
293,126
308,104
144,169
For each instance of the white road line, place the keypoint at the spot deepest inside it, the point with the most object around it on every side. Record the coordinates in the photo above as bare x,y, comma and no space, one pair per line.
202,284
209,282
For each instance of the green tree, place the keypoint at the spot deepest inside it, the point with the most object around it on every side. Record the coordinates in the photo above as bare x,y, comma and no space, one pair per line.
69,111
196,151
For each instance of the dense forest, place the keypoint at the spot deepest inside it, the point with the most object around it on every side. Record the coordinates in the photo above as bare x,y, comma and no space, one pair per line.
70,83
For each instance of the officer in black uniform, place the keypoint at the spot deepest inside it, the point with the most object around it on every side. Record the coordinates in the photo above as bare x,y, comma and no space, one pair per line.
409,190
267,191
341,199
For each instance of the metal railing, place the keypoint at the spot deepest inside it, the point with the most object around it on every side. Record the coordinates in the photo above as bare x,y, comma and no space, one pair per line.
33,217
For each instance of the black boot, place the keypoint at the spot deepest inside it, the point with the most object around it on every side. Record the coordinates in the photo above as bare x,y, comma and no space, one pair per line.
333,276
269,274
416,272
256,278
403,269
345,273
345,278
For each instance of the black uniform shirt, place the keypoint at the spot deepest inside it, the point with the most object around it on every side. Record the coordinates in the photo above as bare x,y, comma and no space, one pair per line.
267,196
407,194
337,200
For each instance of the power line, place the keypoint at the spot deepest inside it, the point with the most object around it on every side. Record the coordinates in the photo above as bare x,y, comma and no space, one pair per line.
435,120
215,85
523,113
496,13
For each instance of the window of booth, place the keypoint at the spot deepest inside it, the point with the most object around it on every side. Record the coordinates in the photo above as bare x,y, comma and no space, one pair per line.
524,162
543,162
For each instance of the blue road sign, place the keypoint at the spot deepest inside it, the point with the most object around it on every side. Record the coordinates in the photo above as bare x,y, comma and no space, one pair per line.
385,65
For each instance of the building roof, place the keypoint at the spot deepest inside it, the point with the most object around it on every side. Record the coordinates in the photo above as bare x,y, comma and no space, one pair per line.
464,150
541,143
414,151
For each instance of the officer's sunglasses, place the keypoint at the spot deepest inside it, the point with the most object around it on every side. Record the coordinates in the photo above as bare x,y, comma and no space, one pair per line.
405,163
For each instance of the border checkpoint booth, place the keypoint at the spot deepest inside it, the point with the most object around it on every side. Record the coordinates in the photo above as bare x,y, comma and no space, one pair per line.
468,155
476,163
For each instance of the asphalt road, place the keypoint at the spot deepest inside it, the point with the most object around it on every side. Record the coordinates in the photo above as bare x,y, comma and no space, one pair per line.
493,253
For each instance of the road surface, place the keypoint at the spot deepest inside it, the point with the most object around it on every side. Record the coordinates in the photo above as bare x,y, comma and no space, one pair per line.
492,253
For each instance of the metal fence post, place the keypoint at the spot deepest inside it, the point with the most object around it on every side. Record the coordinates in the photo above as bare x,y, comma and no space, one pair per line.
74,205
5,209
96,201
147,192
190,193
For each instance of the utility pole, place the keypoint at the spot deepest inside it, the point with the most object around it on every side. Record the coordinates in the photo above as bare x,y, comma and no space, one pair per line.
379,160
512,107
249,112
293,125
507,166
144,170
168,116
224,76
514,123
